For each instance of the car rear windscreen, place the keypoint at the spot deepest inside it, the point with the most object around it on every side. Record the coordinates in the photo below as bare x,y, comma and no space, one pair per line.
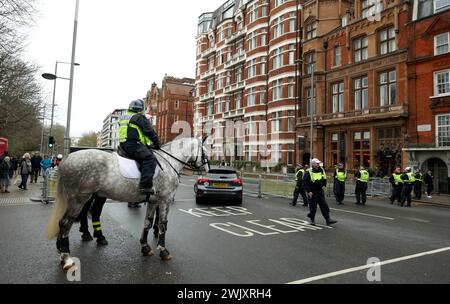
222,172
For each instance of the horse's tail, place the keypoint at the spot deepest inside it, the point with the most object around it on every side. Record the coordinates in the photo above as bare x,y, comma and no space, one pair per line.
59,209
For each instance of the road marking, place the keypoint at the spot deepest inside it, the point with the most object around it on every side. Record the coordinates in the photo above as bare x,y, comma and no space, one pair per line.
365,214
354,269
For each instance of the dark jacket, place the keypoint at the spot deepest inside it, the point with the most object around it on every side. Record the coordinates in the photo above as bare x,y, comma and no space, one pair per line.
36,162
316,186
144,124
4,170
428,179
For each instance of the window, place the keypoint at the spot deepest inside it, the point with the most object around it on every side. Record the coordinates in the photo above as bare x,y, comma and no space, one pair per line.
311,31
387,41
440,5
442,83
276,122
371,7
227,104
310,63
291,54
334,147
441,44
251,97
253,12
338,97
291,87
177,104
443,130
263,39
278,28
211,85
219,106
277,89
291,121
388,88
210,108
310,101
263,66
292,23
360,49
238,100
239,75
337,55
278,58
361,149
361,93
220,57
252,68
251,126
252,41
279,2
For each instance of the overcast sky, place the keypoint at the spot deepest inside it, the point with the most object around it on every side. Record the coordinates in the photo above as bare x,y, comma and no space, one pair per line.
122,47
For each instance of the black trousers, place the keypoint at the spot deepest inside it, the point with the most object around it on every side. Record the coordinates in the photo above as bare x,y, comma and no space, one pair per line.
360,191
144,156
397,193
406,194
318,198
339,191
430,188
35,174
299,190
418,189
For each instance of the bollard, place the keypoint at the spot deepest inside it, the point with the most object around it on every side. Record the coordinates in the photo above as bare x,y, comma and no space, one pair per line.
260,186
52,184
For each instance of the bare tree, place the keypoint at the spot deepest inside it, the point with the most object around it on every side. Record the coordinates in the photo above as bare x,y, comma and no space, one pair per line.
14,14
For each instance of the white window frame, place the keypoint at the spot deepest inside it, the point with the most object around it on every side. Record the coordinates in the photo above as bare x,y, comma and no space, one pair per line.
442,8
435,84
390,86
277,89
438,144
436,46
338,97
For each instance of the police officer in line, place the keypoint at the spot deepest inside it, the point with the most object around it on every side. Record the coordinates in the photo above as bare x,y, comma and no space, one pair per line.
408,184
340,176
362,180
418,184
315,179
299,187
136,137
397,185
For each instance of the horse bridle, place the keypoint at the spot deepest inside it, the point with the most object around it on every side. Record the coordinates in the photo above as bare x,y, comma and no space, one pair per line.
190,165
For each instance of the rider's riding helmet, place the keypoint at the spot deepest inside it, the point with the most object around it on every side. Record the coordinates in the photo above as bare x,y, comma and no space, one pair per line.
60,157
136,106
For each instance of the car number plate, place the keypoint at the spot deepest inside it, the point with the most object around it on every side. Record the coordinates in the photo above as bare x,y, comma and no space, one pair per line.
220,185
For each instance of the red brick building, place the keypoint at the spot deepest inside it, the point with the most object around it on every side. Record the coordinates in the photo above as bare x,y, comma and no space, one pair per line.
174,107
429,89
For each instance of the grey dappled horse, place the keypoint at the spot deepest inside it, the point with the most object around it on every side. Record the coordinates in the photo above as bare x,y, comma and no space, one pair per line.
89,173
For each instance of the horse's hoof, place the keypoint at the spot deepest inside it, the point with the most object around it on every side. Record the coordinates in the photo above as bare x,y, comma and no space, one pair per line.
146,251
102,242
165,255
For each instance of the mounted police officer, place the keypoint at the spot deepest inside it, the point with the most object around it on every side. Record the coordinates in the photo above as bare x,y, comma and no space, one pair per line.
136,137
299,187
362,180
314,181
418,184
397,185
408,184
340,176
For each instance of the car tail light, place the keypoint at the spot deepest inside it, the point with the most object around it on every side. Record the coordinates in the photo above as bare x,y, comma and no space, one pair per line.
236,182
201,181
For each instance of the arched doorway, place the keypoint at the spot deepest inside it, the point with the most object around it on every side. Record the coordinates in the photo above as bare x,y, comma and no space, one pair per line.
440,173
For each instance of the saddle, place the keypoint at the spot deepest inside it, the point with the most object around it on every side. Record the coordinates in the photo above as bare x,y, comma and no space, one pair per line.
129,168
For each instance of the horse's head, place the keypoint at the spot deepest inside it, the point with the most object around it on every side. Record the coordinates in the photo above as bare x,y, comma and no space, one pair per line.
199,159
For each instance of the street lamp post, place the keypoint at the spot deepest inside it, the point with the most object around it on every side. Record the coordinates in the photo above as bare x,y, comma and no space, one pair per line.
69,109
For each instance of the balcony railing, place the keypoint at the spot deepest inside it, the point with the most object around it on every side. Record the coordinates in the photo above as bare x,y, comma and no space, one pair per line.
208,74
364,113
236,59
208,52
234,113
234,87
207,96
236,36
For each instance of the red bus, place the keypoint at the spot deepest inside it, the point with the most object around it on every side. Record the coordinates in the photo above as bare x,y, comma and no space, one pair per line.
3,146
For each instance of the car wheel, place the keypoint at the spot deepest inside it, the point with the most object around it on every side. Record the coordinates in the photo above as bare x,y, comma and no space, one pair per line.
195,188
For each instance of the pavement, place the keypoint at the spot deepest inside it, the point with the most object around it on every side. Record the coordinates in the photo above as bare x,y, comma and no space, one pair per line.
263,241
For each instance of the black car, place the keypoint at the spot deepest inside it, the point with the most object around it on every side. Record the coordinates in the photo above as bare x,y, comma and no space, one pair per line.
219,183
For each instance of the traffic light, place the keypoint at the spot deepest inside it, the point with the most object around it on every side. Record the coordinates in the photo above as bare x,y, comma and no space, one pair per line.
51,142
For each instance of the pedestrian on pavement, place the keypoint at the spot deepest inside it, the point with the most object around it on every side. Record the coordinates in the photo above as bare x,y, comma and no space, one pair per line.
429,182
25,169
5,167
299,187
397,185
408,184
340,176
14,165
362,180
418,184
46,164
314,180
36,166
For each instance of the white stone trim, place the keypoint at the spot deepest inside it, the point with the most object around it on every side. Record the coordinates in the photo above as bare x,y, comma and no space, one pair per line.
256,84
290,9
284,75
255,113
281,43
282,108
